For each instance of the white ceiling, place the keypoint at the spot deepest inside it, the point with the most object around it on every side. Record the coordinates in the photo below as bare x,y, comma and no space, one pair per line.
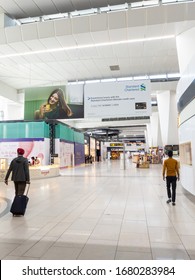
33,8
134,59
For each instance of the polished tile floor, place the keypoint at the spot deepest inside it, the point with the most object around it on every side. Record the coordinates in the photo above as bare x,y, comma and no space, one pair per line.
101,211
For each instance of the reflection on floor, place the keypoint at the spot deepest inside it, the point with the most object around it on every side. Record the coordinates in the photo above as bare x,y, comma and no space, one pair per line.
101,211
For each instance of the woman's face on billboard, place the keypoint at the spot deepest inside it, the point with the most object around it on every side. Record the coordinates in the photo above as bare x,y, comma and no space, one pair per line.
53,99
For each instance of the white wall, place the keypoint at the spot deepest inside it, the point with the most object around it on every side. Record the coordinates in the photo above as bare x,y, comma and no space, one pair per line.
187,134
8,92
185,48
186,54
11,103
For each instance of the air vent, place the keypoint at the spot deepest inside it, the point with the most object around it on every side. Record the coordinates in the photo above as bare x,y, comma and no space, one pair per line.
114,68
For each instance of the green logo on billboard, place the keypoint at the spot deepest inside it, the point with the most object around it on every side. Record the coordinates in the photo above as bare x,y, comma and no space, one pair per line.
142,87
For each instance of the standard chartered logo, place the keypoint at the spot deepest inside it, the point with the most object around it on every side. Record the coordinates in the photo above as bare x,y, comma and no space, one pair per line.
137,87
142,87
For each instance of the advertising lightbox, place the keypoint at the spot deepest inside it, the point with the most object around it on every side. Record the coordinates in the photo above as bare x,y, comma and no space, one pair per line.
53,102
117,99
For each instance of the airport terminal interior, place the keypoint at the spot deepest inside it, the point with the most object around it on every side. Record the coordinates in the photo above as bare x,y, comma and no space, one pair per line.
100,211
96,93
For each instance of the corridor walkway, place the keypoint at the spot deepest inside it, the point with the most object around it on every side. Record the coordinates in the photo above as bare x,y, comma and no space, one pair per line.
99,211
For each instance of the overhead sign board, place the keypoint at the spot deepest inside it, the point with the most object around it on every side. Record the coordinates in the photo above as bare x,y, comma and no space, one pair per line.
117,99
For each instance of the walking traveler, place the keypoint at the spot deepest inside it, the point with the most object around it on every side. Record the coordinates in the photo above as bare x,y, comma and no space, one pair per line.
171,169
19,167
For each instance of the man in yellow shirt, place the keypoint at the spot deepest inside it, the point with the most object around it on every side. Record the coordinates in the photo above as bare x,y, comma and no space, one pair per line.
171,169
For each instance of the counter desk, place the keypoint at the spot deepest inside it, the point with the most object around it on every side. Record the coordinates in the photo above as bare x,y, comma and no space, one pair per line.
44,171
37,172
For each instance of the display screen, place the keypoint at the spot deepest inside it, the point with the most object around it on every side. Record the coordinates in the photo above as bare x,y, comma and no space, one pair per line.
140,105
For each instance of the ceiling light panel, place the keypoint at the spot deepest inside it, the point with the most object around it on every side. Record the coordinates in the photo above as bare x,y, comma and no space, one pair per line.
125,79
85,46
175,1
141,78
92,81
156,77
108,80
142,4
174,75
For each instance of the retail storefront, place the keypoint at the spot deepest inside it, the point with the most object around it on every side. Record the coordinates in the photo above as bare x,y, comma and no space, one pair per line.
63,148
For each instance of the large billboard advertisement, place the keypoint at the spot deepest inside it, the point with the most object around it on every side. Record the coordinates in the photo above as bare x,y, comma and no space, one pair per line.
101,100
52,102
122,99
66,154
32,147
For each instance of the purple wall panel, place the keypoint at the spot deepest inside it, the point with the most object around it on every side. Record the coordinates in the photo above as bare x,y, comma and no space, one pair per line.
79,153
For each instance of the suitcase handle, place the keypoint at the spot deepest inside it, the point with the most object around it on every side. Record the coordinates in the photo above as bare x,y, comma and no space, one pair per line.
27,190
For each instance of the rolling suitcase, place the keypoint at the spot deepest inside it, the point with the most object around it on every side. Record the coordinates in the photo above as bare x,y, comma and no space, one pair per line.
19,204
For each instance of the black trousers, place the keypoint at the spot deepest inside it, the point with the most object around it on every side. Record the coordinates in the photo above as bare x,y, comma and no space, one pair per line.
171,184
19,188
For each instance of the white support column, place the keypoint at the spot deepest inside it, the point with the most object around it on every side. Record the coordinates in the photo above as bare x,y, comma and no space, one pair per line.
155,130
147,144
167,108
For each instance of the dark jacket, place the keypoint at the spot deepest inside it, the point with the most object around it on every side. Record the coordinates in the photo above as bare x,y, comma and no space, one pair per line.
20,170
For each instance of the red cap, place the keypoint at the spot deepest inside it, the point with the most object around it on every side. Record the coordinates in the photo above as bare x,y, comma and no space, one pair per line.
20,151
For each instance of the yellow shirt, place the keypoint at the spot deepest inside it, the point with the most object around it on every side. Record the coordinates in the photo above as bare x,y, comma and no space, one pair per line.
171,168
